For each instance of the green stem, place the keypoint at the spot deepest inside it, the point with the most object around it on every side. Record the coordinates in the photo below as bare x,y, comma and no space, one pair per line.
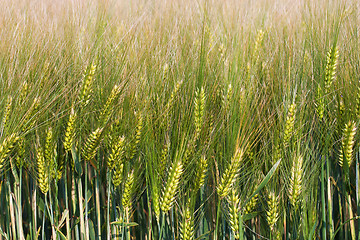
97,198
108,207
162,225
11,205
43,222
86,202
68,233
330,204
323,225
217,220
357,190
81,210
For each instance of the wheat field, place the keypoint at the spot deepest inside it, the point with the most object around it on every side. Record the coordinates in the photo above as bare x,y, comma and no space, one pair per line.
170,119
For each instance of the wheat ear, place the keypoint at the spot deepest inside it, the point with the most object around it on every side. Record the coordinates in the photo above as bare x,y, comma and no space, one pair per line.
295,187
70,131
234,212
42,171
6,147
171,187
7,112
202,169
347,143
289,124
128,191
272,212
92,144
187,224
230,174
330,69
116,152
106,111
86,88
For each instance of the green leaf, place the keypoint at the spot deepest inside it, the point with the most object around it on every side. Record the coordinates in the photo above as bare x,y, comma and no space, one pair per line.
263,182
91,230
77,165
249,216
123,224
61,234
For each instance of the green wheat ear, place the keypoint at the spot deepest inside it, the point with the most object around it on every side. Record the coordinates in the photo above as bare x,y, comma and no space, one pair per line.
70,131
230,175
295,187
357,108
172,183
128,191
289,124
199,103
202,169
116,152
319,101
92,144
50,150
42,171
272,211
6,112
5,148
107,108
251,205
234,213
330,69
155,200
187,224
347,143
134,145
86,88
117,173
29,117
